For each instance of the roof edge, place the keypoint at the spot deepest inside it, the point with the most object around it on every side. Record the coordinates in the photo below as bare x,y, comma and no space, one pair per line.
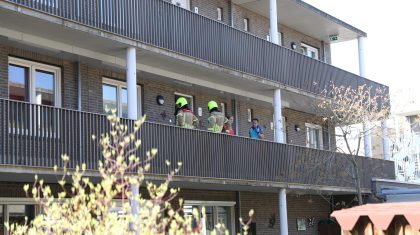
330,17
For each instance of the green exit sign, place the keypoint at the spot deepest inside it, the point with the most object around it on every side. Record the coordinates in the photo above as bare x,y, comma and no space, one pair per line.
333,38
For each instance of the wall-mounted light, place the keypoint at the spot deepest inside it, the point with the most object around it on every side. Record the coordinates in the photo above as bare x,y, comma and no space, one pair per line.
293,45
160,100
297,128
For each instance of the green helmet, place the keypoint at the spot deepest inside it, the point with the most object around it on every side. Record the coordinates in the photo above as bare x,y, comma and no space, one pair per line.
212,104
181,102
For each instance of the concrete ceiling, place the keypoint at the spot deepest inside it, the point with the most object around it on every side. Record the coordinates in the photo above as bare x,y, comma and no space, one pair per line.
305,18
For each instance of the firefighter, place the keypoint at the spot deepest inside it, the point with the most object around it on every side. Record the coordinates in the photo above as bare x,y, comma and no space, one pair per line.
184,116
217,120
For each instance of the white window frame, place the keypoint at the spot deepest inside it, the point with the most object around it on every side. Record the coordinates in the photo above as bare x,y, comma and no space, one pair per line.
280,38
32,67
223,108
215,204
187,2
7,201
309,49
246,24
120,85
186,96
219,11
319,128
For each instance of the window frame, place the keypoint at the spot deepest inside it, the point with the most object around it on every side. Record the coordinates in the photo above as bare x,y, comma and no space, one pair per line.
187,2
320,136
280,35
214,205
309,48
186,96
219,12
120,85
246,24
32,67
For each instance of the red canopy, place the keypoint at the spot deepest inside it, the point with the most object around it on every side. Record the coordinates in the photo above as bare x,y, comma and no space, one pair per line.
381,215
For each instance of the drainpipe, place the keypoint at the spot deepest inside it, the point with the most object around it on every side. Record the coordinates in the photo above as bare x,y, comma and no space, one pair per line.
362,72
79,108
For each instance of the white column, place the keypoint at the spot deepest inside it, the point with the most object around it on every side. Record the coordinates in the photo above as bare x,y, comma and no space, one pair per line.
278,117
367,139
362,62
385,139
362,72
284,230
274,34
132,83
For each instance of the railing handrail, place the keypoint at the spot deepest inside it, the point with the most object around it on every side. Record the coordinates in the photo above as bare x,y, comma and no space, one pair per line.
265,43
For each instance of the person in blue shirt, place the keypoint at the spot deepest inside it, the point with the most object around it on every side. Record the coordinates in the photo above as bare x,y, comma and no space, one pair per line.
256,132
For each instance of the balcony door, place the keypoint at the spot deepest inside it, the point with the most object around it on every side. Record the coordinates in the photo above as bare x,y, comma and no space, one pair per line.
182,3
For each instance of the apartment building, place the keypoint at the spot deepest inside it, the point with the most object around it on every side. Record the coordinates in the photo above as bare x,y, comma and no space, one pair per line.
62,62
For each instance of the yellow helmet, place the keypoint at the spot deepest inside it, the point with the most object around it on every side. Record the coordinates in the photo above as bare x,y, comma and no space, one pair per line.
181,102
212,104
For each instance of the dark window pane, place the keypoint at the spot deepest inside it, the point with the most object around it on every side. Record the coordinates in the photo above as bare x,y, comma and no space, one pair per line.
109,96
17,213
44,87
18,83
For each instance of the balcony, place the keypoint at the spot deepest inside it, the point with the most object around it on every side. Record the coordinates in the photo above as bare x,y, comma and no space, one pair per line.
34,136
163,25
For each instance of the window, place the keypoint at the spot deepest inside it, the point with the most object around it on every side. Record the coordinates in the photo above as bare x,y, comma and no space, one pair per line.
249,113
280,38
223,108
246,24
219,13
189,98
216,212
313,136
114,96
14,210
34,82
309,51
182,3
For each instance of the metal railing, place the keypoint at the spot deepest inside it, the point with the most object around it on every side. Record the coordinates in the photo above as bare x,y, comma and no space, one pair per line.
36,136
165,25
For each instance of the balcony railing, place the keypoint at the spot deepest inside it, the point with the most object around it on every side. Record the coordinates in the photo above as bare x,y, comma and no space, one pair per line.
36,136
165,25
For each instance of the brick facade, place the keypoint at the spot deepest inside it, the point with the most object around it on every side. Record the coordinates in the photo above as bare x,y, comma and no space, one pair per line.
209,9
91,98
265,206
259,25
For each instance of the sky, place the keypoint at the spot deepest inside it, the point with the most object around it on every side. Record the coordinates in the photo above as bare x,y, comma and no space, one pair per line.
393,41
